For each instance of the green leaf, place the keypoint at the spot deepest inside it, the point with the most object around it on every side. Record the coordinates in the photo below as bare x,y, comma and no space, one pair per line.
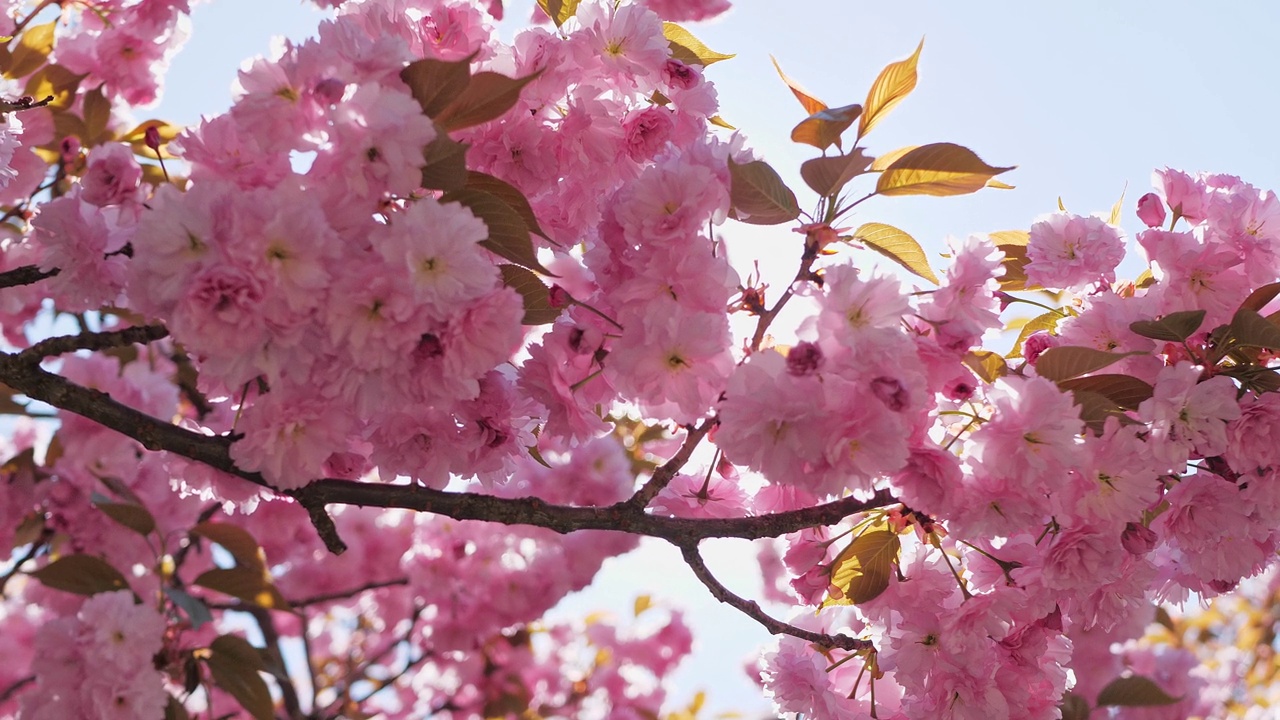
436,84
1174,327
134,517
893,84
197,612
559,10
1065,362
444,164
828,175
897,246
537,297
81,574
810,103
1117,208
508,235
1250,329
938,169
487,96
54,81
861,571
1135,691
1047,322
823,128
688,49
235,540
235,665
758,196
1125,391
32,51
252,585
509,194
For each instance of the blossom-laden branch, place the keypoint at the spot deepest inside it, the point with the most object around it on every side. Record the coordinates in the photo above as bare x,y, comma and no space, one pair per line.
752,609
23,374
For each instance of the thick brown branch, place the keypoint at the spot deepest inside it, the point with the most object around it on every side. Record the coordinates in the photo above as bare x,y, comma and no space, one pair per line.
752,610
25,275
31,380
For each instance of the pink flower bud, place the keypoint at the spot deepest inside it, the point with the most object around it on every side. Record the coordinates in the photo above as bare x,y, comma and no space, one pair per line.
1036,344
1138,539
152,138
1151,210
804,359
558,297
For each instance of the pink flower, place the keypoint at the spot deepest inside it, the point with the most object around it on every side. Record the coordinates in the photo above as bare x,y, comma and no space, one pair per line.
83,242
288,439
437,245
1082,557
1253,438
10,129
708,497
1071,251
1188,416
1184,194
112,175
647,133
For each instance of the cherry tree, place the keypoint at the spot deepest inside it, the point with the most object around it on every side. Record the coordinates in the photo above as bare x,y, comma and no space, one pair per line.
321,404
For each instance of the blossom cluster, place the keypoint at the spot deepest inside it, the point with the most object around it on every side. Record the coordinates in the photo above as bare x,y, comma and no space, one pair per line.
349,264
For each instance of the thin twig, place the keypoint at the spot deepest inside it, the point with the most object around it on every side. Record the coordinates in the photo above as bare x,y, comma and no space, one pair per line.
664,474
752,609
347,594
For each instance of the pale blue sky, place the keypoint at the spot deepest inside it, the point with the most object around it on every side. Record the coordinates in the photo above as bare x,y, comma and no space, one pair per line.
1085,97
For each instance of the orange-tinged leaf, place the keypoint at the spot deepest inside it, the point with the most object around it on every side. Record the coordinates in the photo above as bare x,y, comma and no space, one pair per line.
893,84
898,246
81,574
537,297
688,49
861,571
1061,207
642,603
882,163
559,10
938,169
436,84
1069,361
32,51
1010,237
235,666
720,122
487,96
96,109
828,175
986,364
758,196
810,103
997,185
823,128
1047,322
53,81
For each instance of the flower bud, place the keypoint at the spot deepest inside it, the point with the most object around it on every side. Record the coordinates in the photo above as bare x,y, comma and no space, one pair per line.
1151,210
1138,539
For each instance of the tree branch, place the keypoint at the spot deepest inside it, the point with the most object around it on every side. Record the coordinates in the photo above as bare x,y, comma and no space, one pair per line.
30,379
25,275
347,594
752,609
63,344
663,475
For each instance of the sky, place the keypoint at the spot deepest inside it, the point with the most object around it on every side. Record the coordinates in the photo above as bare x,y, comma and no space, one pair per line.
1085,97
